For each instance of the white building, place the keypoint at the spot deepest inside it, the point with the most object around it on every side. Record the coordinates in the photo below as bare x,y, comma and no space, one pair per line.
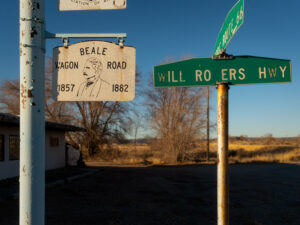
55,145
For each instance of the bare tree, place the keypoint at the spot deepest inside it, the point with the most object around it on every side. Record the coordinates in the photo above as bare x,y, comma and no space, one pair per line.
268,138
9,96
105,122
177,115
136,124
54,111
61,112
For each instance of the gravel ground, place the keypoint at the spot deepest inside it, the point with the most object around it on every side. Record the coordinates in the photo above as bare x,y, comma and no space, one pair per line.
260,194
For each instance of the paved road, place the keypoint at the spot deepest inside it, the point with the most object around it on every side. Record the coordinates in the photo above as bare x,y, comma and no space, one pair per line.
263,194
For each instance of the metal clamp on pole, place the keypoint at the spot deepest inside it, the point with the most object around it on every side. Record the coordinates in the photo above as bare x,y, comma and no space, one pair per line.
223,55
121,42
33,19
66,42
34,46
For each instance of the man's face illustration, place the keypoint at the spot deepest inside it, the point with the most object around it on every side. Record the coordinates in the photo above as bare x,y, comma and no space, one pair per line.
92,69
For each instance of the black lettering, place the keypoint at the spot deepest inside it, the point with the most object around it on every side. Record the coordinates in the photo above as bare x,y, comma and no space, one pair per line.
67,65
93,51
124,65
98,51
76,65
81,51
103,51
121,65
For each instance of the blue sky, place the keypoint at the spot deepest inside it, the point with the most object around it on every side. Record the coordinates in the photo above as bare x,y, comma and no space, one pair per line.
178,28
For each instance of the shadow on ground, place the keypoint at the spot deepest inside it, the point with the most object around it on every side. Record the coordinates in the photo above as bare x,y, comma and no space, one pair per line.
260,194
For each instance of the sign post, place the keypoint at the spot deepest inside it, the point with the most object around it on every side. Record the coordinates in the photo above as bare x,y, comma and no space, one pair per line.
32,93
222,180
32,113
222,72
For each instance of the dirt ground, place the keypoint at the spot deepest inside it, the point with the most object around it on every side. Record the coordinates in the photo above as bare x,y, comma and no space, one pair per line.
260,194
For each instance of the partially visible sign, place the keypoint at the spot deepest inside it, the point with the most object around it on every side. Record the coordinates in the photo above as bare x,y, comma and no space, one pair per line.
65,5
208,71
233,22
94,71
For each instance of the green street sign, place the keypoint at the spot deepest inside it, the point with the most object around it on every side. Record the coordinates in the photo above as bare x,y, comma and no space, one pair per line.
233,22
208,71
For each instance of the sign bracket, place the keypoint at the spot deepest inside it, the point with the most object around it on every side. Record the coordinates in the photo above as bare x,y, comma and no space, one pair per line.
223,55
66,42
121,42
49,35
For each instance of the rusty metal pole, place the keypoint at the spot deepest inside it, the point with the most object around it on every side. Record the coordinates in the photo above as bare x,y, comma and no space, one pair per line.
222,174
207,123
32,113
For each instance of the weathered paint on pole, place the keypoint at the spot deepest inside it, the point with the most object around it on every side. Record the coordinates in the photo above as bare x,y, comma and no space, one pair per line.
223,185
207,124
32,112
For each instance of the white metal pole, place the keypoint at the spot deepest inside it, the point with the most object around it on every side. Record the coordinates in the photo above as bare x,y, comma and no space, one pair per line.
223,184
32,113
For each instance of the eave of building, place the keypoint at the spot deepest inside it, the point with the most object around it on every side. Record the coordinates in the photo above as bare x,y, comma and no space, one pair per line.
12,120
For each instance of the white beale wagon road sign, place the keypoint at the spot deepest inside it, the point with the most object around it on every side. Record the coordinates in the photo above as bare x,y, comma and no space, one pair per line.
66,5
94,71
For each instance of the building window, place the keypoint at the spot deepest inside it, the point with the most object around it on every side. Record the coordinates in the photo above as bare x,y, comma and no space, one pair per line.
2,148
14,147
54,142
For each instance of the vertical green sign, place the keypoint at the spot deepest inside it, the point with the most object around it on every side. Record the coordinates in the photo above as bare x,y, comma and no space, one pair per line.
233,22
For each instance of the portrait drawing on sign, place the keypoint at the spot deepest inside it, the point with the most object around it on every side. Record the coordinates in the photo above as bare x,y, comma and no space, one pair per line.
91,87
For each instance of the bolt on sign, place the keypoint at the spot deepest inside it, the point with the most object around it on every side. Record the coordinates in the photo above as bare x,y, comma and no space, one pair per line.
232,23
68,5
208,71
94,71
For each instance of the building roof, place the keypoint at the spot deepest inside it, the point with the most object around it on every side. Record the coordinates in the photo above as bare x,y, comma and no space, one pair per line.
12,120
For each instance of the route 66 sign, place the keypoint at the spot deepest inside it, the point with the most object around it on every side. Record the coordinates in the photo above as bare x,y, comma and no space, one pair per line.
94,71
66,5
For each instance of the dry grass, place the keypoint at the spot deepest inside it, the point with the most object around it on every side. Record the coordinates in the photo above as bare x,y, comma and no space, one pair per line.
270,150
288,157
264,150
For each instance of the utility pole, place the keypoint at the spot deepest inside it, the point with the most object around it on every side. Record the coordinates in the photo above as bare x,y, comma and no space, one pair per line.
222,174
207,123
32,113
